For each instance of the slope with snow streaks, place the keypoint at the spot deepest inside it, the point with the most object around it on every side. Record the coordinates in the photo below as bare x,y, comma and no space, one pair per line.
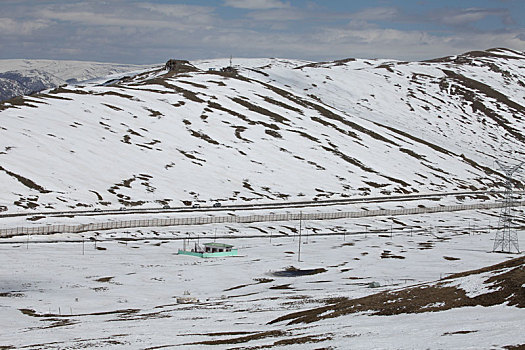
442,108
272,132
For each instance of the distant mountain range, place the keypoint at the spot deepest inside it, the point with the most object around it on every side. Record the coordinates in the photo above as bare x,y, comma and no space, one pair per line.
266,130
25,77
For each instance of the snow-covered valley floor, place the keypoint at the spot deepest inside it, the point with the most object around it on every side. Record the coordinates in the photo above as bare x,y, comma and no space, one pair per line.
127,294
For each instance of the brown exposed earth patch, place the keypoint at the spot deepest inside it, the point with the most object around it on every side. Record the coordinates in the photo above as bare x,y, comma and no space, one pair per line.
505,287
244,339
25,181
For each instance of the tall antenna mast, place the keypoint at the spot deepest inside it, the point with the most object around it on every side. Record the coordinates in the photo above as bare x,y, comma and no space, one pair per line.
506,238
231,61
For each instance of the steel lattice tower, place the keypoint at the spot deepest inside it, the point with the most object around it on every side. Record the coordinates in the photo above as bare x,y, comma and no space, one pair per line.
506,238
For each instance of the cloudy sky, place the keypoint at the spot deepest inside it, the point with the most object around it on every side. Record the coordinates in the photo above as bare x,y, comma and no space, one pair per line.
130,31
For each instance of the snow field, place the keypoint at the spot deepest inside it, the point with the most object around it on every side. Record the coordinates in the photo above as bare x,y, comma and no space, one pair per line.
126,291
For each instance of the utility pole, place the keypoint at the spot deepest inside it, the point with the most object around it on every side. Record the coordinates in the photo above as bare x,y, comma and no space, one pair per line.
507,238
300,227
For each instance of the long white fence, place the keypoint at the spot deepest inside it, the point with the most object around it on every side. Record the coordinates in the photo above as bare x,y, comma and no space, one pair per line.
110,225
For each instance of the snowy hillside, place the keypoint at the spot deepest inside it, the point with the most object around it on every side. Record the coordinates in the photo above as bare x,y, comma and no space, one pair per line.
23,77
277,130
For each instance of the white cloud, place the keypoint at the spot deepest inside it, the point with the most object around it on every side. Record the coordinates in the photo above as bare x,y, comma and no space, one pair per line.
89,18
407,44
280,15
376,13
459,17
130,18
21,27
318,15
257,4
195,13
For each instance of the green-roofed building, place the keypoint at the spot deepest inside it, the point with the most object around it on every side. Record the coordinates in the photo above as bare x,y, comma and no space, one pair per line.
209,250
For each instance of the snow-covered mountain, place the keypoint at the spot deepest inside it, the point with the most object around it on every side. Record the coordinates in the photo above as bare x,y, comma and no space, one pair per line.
278,129
24,77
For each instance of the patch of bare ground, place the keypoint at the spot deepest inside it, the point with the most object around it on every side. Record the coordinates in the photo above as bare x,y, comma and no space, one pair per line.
292,271
375,184
153,113
64,90
11,295
202,136
197,85
79,343
467,57
458,332
52,97
104,279
386,254
25,181
282,286
190,95
219,83
214,105
99,197
19,101
515,347
340,62
58,323
332,125
318,338
281,104
191,156
286,94
273,133
118,94
115,108
505,287
349,159
36,218
33,313
305,135
303,340
425,245
450,258
412,153
414,138
388,67
238,130
472,163
257,109
257,280
243,339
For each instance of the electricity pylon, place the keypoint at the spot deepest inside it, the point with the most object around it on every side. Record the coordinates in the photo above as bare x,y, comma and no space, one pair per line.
506,237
